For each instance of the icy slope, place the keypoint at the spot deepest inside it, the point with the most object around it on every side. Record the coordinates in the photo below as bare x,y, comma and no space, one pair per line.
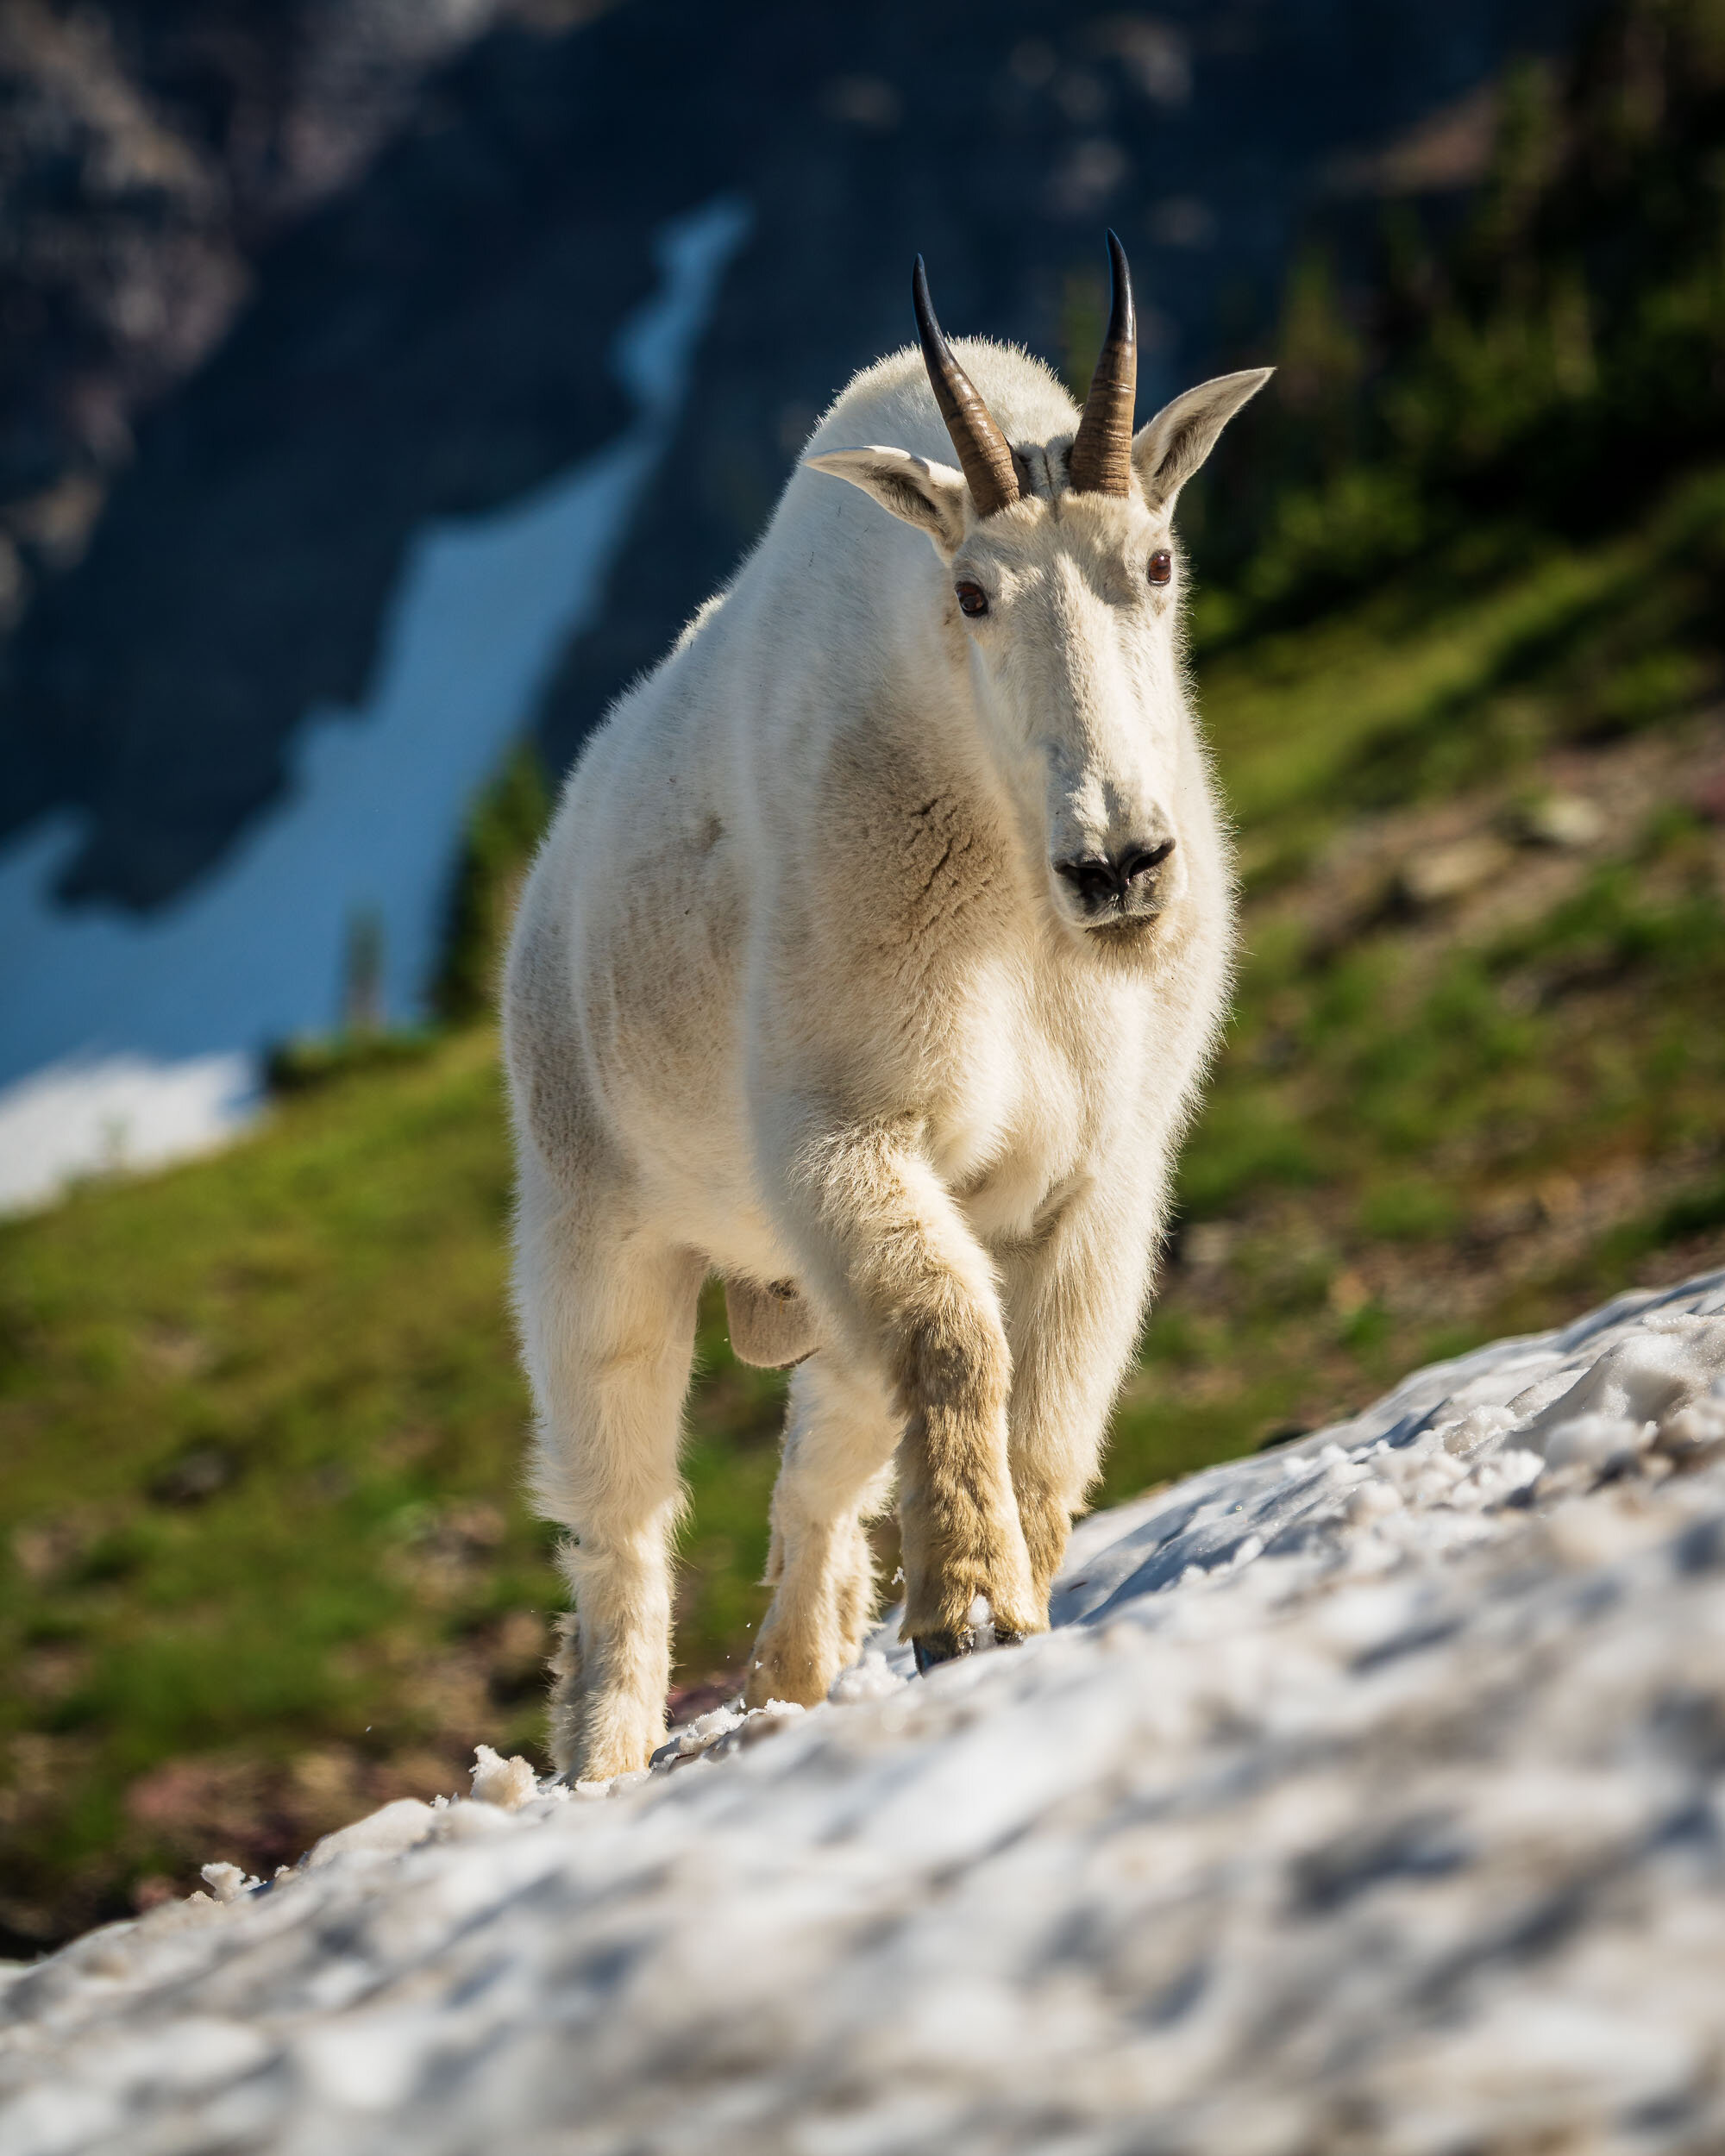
1366,1797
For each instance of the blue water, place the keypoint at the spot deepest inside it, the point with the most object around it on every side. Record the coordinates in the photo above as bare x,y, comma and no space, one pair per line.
482,610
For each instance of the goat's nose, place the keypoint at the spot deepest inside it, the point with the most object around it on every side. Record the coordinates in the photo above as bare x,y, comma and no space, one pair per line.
1105,883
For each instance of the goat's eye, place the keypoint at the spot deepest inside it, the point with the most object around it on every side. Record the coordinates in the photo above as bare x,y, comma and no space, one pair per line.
1161,566
972,598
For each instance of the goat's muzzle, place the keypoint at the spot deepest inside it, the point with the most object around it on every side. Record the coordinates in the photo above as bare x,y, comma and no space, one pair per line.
1111,889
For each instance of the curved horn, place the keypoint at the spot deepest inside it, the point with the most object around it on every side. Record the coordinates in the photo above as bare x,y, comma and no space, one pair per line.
983,454
1100,458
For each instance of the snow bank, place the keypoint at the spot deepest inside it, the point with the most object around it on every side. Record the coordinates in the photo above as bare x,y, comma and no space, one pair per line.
111,1113
1365,1797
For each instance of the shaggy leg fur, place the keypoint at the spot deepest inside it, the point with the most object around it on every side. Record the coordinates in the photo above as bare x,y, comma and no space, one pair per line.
958,1520
608,1317
839,1437
910,1282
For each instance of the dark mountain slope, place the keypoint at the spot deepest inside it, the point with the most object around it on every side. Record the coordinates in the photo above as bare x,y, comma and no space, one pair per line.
434,339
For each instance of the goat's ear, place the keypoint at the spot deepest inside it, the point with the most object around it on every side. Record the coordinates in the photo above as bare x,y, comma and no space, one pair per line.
930,495
1168,449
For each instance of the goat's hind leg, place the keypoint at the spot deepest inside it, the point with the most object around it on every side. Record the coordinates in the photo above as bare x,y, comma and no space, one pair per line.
608,1316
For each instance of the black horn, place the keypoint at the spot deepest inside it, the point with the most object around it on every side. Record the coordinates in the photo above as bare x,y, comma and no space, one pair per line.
984,454
1100,458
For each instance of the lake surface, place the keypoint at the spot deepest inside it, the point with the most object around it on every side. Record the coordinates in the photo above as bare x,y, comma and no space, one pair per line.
128,1041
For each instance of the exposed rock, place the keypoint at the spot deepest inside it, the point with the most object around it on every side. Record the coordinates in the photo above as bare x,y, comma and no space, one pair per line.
1567,820
1441,874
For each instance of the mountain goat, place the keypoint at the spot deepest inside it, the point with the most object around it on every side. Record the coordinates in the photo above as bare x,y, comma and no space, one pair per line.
872,961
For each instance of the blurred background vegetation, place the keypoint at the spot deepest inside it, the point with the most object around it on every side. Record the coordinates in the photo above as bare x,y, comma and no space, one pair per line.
1458,638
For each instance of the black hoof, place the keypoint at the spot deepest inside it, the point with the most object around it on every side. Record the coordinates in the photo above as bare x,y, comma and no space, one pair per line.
1008,1638
933,1648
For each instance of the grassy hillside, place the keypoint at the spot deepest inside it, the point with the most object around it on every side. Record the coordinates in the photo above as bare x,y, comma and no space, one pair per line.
264,1560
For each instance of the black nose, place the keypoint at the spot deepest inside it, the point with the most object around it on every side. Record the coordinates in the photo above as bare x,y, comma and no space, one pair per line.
1106,883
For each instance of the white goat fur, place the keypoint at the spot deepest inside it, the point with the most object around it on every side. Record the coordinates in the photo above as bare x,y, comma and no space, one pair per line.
794,996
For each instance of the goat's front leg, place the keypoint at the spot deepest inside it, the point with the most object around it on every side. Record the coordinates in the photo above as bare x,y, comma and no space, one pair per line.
892,1259
1075,1295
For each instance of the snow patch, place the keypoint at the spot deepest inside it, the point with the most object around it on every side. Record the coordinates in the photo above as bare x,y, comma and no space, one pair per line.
116,1114
384,1834
1366,1794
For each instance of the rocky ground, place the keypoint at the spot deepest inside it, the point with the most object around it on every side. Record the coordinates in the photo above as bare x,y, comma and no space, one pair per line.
1366,1795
